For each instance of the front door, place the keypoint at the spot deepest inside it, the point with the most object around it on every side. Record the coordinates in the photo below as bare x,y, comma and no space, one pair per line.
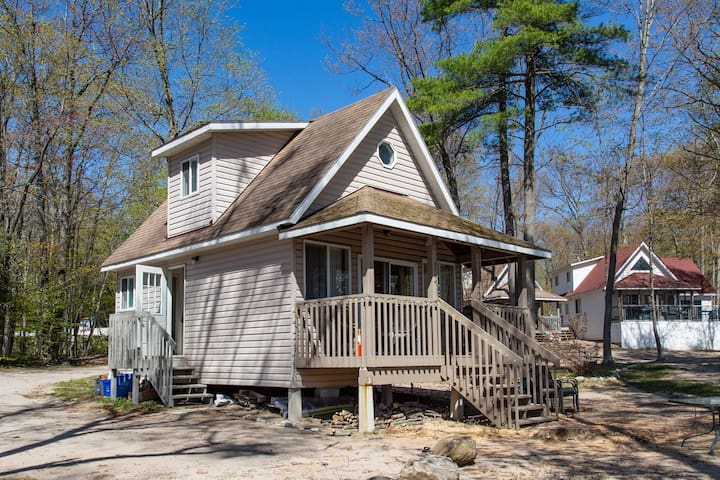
152,293
178,307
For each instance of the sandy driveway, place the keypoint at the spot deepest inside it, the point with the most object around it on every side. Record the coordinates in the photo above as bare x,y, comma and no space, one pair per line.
619,434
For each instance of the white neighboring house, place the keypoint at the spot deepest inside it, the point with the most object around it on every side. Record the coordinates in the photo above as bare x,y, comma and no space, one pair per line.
687,319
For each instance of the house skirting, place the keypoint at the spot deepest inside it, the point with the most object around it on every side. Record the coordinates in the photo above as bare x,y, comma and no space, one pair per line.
674,335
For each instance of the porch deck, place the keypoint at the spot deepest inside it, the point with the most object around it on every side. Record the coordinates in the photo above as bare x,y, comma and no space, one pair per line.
491,360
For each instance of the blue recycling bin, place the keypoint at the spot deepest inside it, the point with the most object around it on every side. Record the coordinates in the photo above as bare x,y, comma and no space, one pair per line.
124,385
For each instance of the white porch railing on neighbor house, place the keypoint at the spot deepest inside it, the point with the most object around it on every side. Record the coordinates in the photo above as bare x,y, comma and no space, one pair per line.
665,312
549,323
490,362
137,342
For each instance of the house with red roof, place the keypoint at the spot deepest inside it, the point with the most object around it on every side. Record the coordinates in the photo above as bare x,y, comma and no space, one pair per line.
684,299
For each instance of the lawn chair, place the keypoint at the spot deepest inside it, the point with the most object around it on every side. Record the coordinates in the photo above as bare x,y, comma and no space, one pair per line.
567,387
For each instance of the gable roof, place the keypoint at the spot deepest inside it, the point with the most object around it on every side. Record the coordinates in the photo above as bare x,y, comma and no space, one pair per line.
499,290
373,205
688,275
283,191
598,275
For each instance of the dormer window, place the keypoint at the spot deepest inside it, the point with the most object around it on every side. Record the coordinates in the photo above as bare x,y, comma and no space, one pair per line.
386,153
189,175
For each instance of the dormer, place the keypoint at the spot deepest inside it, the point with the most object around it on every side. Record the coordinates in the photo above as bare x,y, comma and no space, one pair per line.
210,166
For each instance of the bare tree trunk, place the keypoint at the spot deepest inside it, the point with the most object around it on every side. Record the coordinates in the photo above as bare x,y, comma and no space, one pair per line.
645,21
529,198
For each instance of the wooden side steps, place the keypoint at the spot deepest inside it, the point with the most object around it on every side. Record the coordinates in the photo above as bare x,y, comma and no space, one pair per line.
186,386
564,335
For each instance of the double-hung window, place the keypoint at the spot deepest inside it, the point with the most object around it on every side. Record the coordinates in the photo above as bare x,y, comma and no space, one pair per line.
189,175
127,293
327,270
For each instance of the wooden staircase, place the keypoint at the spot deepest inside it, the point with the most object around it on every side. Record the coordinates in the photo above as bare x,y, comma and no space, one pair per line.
186,388
501,370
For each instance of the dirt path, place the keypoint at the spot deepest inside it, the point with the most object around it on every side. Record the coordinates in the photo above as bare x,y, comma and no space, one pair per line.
618,434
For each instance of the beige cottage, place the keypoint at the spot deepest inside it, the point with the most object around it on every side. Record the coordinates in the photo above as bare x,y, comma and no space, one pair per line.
255,271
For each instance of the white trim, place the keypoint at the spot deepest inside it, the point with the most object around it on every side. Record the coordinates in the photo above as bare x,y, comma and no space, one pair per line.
202,133
327,259
425,160
340,161
435,176
244,235
413,227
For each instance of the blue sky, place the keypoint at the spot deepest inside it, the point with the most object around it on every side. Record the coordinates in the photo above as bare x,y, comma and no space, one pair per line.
287,37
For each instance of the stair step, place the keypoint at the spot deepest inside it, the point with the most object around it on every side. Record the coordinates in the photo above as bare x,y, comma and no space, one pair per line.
524,422
184,378
189,386
179,397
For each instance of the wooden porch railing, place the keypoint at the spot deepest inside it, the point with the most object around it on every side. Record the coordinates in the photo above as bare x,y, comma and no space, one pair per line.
538,362
137,342
490,362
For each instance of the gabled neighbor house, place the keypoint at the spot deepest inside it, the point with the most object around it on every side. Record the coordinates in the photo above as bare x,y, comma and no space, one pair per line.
316,255
684,299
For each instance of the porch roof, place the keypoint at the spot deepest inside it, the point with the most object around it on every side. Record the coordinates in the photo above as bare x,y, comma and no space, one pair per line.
641,281
392,210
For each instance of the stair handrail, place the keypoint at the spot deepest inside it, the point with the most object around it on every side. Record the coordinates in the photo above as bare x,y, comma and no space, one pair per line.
515,332
492,387
138,342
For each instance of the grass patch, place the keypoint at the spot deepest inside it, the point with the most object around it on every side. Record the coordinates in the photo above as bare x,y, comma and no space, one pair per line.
82,391
655,377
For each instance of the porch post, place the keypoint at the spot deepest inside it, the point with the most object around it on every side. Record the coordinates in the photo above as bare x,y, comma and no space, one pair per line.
366,405
476,265
294,404
432,281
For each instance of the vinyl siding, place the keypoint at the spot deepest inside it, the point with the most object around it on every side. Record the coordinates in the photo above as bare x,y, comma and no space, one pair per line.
195,211
365,168
239,157
395,246
239,315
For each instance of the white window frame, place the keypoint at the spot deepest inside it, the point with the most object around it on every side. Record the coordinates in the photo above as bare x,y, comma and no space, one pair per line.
393,261
124,305
387,142
193,174
327,259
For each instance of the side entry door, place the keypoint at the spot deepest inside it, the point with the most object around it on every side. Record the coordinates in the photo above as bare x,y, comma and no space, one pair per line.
152,293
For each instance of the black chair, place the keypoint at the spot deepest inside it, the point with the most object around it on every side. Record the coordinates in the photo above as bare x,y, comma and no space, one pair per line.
568,387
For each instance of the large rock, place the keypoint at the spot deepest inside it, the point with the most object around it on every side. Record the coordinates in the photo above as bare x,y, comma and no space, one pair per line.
461,450
430,467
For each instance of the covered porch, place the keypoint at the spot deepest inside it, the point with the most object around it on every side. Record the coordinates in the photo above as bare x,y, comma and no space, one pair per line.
400,321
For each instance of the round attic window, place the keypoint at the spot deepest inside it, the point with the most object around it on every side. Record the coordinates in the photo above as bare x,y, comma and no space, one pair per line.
386,152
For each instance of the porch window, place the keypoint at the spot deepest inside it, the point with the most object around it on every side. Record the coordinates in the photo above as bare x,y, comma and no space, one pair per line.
127,293
393,277
327,270
446,282
189,175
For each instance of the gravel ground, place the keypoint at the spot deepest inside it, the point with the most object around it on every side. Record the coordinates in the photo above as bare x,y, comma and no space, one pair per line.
618,433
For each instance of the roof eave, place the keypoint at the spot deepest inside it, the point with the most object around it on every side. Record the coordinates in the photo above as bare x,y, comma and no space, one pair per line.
197,247
201,134
390,222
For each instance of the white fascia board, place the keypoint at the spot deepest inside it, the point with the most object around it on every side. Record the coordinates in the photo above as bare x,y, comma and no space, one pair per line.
582,262
413,227
426,158
197,136
196,247
340,161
